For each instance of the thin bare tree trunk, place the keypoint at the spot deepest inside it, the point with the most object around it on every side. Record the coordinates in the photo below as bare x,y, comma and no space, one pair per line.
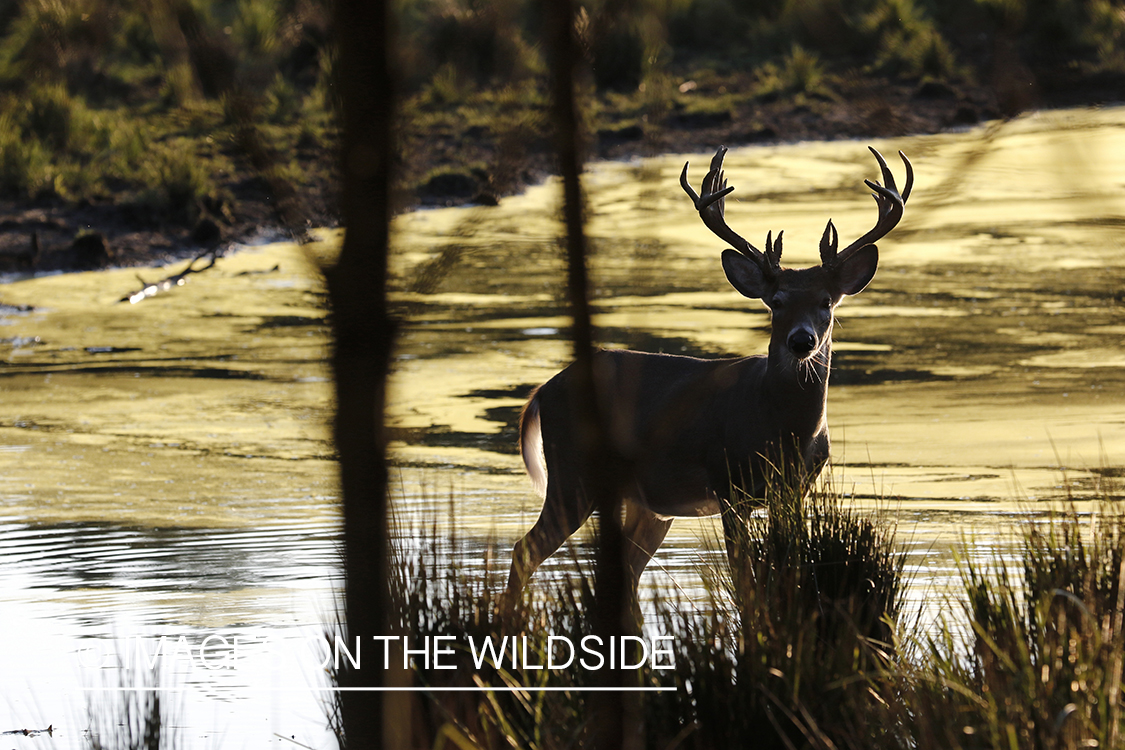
364,335
611,594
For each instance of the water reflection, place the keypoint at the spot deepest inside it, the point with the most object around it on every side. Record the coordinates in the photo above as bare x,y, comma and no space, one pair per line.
165,470
167,465
984,357
80,556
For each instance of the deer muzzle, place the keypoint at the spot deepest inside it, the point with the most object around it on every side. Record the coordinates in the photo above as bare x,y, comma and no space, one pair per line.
801,342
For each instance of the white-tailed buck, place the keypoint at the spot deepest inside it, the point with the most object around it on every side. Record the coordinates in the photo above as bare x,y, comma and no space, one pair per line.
686,434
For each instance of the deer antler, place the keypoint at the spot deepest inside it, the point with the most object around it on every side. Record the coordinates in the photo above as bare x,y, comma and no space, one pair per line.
711,206
891,205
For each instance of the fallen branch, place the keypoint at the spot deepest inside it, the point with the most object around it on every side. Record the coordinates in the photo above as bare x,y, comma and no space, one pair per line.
49,731
148,290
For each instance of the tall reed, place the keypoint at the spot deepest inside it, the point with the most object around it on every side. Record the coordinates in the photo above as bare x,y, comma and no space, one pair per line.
1042,665
804,645
791,651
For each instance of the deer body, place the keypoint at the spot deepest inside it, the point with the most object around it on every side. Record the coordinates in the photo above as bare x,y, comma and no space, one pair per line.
684,432
732,409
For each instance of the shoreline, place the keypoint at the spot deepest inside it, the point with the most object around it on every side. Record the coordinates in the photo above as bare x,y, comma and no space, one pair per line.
37,237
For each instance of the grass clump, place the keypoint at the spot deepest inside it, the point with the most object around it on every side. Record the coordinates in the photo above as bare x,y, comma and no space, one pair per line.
179,183
908,42
786,657
25,166
439,588
138,718
801,73
57,40
51,116
257,26
47,139
1042,667
789,656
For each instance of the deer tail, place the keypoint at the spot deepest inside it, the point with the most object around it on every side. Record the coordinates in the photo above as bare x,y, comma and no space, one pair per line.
531,444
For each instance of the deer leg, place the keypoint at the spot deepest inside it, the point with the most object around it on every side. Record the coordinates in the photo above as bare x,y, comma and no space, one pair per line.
644,531
557,521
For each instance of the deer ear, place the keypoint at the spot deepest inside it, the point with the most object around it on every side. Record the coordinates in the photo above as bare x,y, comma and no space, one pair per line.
857,270
745,275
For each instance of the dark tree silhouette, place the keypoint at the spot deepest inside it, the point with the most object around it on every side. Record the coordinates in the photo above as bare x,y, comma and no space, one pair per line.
611,590
364,334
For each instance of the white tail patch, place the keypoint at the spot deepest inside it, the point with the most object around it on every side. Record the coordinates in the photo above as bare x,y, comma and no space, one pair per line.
531,446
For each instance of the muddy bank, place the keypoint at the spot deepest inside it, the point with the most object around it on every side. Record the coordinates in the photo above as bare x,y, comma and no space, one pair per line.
51,235
458,163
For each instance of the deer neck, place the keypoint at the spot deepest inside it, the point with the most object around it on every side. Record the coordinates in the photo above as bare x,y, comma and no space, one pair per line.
801,385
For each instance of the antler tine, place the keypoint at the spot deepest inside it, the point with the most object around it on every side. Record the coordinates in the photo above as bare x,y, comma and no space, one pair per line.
773,249
829,241
712,205
890,206
888,178
909,177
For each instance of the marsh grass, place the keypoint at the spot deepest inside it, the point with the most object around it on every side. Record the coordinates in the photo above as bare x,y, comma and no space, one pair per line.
442,587
179,185
1041,665
789,653
46,139
141,719
804,643
800,73
779,659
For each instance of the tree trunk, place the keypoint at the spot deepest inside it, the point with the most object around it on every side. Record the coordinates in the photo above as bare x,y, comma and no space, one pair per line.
610,594
364,335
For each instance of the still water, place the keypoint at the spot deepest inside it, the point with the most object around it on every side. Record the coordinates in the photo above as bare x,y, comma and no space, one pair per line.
165,468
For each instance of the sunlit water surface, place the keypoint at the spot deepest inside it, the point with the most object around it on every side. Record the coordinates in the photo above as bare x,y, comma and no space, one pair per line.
165,467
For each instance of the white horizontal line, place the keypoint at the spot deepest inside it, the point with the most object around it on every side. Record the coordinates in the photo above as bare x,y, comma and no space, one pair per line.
392,689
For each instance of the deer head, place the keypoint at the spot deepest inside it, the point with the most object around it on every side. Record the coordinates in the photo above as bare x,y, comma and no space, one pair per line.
802,301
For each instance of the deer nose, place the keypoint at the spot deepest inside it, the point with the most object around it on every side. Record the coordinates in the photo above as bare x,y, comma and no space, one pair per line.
802,342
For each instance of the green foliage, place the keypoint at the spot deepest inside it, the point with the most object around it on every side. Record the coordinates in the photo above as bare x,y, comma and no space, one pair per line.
73,73
25,166
283,102
480,43
1105,32
118,99
908,43
445,87
801,72
925,54
178,183
46,136
53,39
256,27
52,117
